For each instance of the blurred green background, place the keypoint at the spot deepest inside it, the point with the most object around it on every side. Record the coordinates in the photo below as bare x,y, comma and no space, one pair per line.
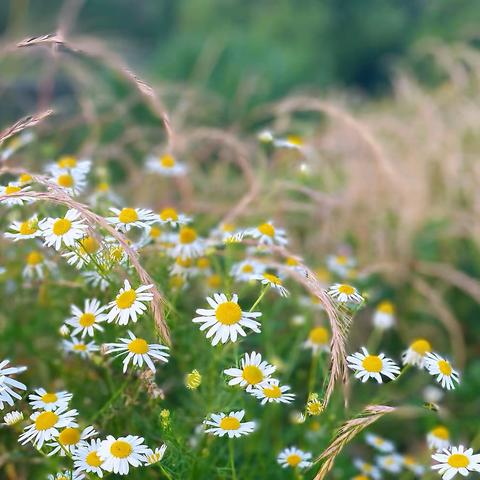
262,48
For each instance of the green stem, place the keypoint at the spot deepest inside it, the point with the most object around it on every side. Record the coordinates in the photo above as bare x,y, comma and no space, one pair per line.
111,400
259,299
313,372
232,458
374,341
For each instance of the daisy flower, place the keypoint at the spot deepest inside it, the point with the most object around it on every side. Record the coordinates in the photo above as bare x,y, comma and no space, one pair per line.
415,354
224,233
15,143
155,456
188,244
165,164
345,293
340,264
95,280
295,458
253,372
72,182
23,230
371,471
384,315
69,439
170,216
392,463
314,406
118,454
138,351
442,369
84,250
87,320
243,271
86,459
12,418
79,347
267,234
69,163
372,366
13,188
273,392
225,320
127,217
229,424
438,438
412,465
7,384
46,425
65,475
318,339
272,281
182,267
379,443
203,266
66,230
455,460
35,264
43,400
129,303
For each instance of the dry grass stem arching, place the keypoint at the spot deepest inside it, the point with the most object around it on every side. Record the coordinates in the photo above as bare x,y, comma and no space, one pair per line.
346,433
23,124
56,195
445,315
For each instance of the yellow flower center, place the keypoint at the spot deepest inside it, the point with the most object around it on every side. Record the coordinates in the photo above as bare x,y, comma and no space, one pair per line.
421,346
291,262
187,235
61,226
128,215
203,263
169,214
386,307
167,161
49,398
341,259
272,278
408,460
28,227
86,319
228,313
315,407
346,289
252,374
214,281
176,281
267,229
229,423
360,477
228,227
93,460
69,436
67,161
80,347
318,335
34,258
45,421
247,268
120,449
444,367
89,245
138,346
103,187
183,262
9,189
293,460
272,392
126,299
155,232
25,178
372,363
65,180
295,140
441,432
458,460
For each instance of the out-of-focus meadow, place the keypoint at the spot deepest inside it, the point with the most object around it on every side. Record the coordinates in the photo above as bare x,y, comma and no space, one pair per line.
353,126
